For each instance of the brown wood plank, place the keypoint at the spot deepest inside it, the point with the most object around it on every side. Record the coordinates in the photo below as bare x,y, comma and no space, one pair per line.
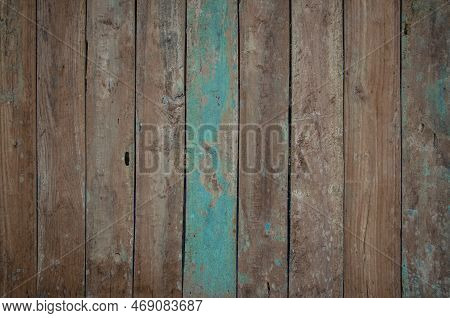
317,166
426,148
372,148
61,155
159,188
110,156
17,148
263,180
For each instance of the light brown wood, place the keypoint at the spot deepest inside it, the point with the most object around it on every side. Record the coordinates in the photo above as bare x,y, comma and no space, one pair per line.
372,148
426,148
263,176
317,165
18,149
61,147
160,124
110,156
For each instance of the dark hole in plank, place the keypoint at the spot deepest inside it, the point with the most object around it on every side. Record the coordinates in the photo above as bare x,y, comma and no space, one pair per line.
127,158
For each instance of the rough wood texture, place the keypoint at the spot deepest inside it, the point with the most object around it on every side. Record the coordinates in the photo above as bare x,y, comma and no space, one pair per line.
372,149
110,111
212,91
426,148
17,149
61,147
317,164
159,193
264,92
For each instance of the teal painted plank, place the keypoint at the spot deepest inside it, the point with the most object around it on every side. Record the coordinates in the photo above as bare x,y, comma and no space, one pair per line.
426,148
212,91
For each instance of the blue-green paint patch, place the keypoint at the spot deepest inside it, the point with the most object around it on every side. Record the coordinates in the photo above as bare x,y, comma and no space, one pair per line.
210,255
244,279
419,77
410,282
437,96
278,262
437,290
412,213
426,169
429,249
405,277
447,175
267,228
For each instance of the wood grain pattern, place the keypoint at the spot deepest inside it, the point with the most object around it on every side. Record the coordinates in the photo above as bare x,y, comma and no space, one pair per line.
264,92
110,156
61,147
212,91
17,149
372,149
317,165
109,109
160,193
426,148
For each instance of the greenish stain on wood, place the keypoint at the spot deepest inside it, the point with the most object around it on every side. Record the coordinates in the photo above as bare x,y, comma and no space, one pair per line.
436,94
425,148
212,73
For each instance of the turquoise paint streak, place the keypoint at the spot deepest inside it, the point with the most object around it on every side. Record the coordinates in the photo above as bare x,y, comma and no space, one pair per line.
437,96
210,246
267,228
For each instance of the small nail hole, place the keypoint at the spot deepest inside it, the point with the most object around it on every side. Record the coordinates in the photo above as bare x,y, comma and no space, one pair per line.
127,158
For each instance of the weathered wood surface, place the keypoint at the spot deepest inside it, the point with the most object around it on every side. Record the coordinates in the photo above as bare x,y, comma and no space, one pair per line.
71,122
160,104
426,148
263,180
17,149
372,149
61,147
212,92
110,111
317,166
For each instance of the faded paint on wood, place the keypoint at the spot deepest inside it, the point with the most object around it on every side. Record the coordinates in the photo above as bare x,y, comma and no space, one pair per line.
61,147
160,188
110,109
263,180
17,149
426,148
317,165
372,149
212,87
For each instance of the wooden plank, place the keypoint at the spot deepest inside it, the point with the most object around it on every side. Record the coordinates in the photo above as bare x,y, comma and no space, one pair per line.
212,87
160,188
263,180
110,156
61,147
426,148
317,165
372,148
18,149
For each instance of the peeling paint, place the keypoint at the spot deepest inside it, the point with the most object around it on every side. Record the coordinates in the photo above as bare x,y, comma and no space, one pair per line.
210,262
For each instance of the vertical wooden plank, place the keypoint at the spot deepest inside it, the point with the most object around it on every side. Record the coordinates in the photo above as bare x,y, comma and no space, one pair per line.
110,156
61,155
372,149
17,148
426,148
212,79
263,180
160,188
317,164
